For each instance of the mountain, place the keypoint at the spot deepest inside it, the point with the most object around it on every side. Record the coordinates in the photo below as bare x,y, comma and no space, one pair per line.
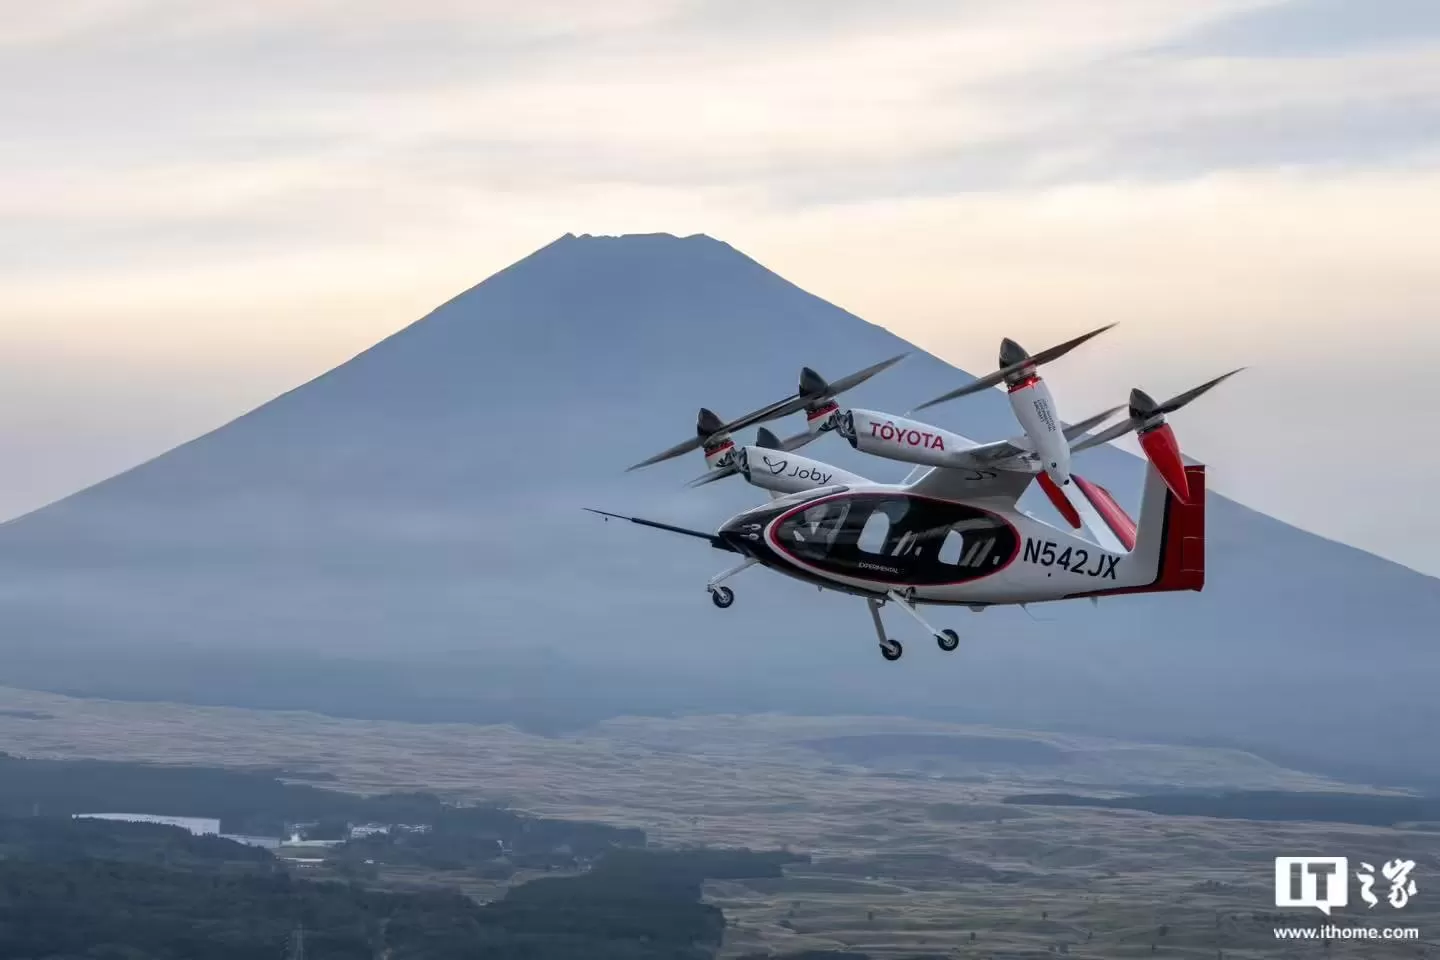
403,536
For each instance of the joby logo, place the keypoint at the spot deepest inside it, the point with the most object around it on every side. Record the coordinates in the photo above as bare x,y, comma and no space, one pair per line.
811,473
775,466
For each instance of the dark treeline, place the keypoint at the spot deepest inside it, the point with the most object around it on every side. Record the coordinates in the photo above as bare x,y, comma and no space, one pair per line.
260,804
1273,805
71,889
60,840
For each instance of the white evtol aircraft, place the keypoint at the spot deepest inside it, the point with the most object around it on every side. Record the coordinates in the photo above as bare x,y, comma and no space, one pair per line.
951,533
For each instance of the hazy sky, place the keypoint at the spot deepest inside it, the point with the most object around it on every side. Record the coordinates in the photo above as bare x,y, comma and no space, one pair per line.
204,204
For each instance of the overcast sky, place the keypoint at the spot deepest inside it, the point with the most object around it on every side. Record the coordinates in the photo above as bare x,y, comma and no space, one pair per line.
204,204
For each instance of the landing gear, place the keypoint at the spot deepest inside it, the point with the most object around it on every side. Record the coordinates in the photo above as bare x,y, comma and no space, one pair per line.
722,597
947,639
890,648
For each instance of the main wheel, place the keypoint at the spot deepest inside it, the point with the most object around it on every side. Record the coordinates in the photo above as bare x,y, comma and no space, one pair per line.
722,597
947,639
891,649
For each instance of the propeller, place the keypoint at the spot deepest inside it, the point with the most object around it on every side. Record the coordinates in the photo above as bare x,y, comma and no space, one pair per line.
1073,430
1147,419
814,389
1015,363
763,438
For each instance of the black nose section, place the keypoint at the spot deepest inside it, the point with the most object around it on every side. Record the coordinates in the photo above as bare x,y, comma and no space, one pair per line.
1012,353
743,533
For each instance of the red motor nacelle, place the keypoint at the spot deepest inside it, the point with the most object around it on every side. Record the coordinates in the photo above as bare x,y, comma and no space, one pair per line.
1158,441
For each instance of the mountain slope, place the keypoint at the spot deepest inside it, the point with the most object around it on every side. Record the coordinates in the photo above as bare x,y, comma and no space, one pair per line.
421,503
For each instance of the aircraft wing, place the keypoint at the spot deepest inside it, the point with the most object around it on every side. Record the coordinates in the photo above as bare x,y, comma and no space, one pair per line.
1002,453
980,483
992,471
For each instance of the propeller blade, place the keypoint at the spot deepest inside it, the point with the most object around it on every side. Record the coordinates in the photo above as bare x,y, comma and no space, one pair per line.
975,386
1180,400
998,377
1105,436
694,443
838,387
780,408
713,475
797,441
1055,353
1076,429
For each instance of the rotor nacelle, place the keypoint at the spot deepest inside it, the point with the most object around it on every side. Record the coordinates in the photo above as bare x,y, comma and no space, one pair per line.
1159,443
715,440
821,409
896,438
782,472
1157,439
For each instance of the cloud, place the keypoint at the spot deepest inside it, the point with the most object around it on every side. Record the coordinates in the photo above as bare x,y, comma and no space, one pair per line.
240,197
1319,27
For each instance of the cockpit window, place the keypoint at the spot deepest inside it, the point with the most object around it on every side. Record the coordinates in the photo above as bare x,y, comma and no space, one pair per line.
872,535
907,539
950,548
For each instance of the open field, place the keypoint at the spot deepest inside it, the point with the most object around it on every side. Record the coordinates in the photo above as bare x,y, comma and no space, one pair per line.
913,850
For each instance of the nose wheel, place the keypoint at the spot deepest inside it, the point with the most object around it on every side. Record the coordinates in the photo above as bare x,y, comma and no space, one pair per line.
947,640
891,649
722,597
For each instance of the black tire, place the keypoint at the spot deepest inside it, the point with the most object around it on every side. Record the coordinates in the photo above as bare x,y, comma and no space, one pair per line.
893,651
722,597
947,639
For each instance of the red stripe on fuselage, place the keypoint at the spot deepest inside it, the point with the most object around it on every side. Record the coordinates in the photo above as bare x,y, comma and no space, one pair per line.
1110,511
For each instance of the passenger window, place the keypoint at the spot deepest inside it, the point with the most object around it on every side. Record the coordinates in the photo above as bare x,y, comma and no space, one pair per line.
872,535
951,549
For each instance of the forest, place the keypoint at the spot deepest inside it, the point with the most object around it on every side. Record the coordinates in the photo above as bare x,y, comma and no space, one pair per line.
71,889
261,803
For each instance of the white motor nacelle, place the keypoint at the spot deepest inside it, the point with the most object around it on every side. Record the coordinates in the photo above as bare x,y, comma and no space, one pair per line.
1035,409
781,472
896,438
